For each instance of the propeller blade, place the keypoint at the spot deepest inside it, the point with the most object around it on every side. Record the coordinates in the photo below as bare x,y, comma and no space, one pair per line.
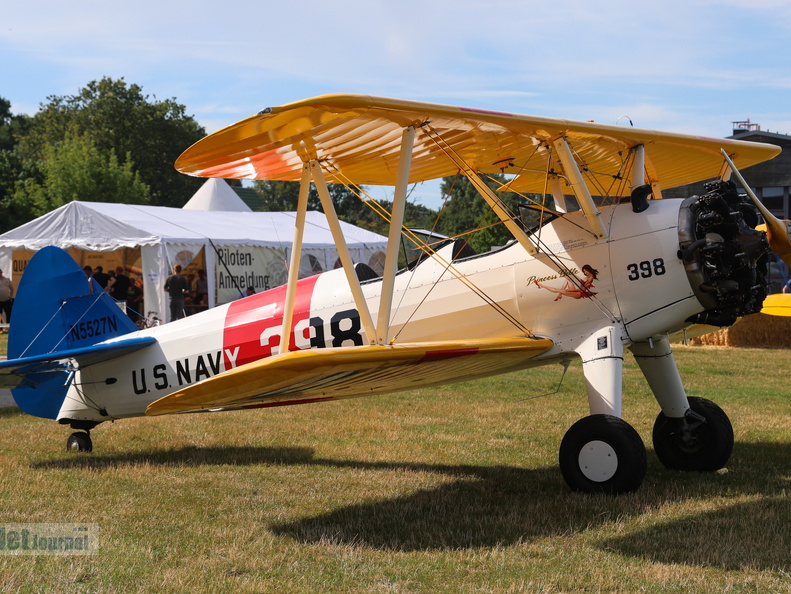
778,232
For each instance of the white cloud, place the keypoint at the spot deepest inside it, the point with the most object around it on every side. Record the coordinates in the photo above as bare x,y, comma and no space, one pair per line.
664,61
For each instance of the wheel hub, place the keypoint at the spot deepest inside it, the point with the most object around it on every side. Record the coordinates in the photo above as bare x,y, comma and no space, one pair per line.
598,461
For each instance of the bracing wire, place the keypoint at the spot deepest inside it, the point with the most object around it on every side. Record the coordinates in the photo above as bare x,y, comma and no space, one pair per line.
446,264
442,145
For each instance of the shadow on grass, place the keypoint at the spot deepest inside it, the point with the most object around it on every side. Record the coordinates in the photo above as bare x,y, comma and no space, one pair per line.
502,506
489,506
186,456
753,535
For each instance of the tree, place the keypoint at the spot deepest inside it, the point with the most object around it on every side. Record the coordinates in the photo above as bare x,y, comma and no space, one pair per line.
11,126
467,211
119,119
13,211
76,169
283,196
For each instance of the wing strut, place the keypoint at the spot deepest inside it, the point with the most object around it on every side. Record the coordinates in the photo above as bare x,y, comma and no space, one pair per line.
394,237
638,168
581,191
500,210
296,254
557,193
343,250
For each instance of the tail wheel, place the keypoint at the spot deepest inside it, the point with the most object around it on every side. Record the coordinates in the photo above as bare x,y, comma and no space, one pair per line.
79,442
602,454
701,441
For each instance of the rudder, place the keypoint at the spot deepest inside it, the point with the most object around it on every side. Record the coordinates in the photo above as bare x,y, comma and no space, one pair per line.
57,308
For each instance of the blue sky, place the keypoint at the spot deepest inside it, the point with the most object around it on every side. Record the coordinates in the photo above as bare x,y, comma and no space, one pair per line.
678,65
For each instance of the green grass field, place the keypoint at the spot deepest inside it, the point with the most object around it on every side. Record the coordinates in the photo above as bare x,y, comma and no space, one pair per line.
452,489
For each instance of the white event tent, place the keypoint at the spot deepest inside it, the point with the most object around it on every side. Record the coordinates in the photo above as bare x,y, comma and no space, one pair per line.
238,248
216,194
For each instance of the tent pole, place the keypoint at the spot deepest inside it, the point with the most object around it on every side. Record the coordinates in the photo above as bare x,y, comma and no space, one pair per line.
343,252
394,236
293,267
211,277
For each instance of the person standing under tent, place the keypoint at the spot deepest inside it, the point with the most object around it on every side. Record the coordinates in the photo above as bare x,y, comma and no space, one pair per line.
134,300
177,287
201,291
121,286
100,276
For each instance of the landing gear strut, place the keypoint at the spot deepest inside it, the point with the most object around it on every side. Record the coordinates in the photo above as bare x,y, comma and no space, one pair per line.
79,442
602,454
702,440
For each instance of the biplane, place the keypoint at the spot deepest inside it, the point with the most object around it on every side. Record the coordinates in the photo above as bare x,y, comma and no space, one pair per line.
599,264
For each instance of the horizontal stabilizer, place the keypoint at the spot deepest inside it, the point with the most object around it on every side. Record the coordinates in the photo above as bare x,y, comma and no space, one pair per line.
347,372
778,304
15,372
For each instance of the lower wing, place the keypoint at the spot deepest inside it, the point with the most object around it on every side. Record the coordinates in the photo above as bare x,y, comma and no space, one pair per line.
346,372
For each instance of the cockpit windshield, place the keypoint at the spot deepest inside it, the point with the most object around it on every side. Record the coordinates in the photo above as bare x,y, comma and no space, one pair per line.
534,216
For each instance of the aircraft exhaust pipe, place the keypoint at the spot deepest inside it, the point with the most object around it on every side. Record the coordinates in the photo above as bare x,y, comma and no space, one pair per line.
640,197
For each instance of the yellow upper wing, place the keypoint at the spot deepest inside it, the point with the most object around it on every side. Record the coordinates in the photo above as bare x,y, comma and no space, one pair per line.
345,372
358,139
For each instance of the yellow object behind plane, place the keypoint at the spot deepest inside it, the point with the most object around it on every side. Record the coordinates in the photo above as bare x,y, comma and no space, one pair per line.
778,304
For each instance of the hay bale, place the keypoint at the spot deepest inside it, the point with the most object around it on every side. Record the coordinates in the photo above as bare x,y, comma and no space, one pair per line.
753,331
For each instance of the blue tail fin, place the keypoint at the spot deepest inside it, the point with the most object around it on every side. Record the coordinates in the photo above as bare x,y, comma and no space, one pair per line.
57,308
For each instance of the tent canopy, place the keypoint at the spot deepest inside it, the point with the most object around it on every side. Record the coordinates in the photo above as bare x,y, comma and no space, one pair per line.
216,194
101,226
166,236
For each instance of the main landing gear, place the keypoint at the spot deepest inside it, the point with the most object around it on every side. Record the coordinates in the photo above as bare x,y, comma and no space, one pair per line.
602,453
702,440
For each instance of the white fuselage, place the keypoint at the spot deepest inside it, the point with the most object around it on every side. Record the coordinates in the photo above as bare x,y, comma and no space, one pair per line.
641,284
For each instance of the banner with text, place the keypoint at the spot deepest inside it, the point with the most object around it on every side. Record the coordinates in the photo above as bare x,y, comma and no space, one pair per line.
240,267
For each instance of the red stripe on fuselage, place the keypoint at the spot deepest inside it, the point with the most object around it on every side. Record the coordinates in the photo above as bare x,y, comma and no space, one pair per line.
252,325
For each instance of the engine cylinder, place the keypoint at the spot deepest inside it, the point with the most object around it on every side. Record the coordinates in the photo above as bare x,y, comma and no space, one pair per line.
725,257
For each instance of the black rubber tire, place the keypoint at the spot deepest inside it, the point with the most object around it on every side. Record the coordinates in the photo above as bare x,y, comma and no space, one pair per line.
710,446
626,459
79,442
